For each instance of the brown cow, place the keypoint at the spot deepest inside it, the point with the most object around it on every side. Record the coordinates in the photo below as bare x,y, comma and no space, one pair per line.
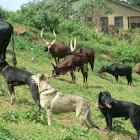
89,54
69,64
58,51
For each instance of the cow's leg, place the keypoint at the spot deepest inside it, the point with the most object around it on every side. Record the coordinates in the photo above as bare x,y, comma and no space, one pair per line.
11,90
116,77
73,77
129,80
55,60
91,64
85,76
58,60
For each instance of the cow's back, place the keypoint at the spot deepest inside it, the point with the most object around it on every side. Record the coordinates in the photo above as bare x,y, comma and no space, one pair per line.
122,70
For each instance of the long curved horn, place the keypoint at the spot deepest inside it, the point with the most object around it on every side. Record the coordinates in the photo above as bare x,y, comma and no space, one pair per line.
41,35
54,37
74,44
71,46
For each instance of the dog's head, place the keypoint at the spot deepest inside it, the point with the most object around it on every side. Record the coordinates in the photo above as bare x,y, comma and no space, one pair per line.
105,99
42,81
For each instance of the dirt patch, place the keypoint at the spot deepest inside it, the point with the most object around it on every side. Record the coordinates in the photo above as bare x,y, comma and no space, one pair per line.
19,30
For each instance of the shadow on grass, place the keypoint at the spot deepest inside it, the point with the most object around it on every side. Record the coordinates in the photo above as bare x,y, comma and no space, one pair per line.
98,87
61,79
126,133
24,101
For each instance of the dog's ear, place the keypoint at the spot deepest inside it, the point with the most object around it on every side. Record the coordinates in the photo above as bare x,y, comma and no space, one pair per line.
47,76
42,76
100,93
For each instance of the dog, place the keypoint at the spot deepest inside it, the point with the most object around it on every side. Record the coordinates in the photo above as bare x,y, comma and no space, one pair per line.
112,108
57,102
15,76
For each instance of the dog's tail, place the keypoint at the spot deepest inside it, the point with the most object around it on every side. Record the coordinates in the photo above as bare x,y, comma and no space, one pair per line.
91,121
35,92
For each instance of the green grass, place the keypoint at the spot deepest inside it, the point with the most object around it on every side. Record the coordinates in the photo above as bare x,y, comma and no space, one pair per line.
25,122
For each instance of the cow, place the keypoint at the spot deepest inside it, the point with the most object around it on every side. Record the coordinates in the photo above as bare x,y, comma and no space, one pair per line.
6,31
58,51
118,70
69,64
90,54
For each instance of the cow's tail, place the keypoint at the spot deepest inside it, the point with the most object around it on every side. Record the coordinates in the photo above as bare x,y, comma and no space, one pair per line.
14,55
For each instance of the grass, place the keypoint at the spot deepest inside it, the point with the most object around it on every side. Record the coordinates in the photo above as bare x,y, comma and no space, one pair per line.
25,122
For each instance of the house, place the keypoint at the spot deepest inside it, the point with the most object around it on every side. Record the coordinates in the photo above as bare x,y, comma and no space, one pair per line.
123,16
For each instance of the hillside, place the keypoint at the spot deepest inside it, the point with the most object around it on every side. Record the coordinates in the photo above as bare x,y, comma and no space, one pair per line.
25,122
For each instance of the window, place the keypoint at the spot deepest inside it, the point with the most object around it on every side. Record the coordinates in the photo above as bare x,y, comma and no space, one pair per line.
104,21
119,21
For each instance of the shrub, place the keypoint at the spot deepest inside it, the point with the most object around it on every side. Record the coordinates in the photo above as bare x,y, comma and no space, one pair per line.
128,53
106,41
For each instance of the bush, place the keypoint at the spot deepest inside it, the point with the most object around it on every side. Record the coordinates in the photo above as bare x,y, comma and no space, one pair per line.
128,53
38,18
106,41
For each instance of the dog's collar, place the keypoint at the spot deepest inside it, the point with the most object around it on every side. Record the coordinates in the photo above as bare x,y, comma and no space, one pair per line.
43,91
4,69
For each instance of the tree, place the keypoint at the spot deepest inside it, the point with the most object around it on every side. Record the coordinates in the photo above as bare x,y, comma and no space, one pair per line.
94,9
64,8
132,2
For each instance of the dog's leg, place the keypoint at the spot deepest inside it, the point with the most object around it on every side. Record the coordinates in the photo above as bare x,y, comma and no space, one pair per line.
109,122
11,90
82,118
136,124
49,115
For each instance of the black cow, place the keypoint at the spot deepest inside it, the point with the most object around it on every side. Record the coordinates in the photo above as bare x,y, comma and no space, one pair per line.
6,31
118,70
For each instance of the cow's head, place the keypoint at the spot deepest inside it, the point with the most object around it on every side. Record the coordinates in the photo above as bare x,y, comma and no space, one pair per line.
48,44
58,71
55,71
103,69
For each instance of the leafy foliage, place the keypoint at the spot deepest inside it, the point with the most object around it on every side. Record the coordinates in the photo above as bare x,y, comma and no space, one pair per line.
128,53
36,115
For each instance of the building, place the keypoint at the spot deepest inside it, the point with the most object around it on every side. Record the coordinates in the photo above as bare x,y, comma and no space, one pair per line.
123,16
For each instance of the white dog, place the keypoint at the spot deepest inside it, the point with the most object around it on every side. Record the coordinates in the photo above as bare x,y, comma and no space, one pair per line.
57,102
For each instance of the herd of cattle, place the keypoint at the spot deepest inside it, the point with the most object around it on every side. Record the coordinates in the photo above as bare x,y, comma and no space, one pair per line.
73,60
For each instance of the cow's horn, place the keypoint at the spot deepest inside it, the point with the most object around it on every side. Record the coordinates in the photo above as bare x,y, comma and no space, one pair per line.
54,37
71,46
41,35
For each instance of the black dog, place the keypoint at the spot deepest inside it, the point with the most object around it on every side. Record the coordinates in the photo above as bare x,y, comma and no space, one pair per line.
15,76
112,108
